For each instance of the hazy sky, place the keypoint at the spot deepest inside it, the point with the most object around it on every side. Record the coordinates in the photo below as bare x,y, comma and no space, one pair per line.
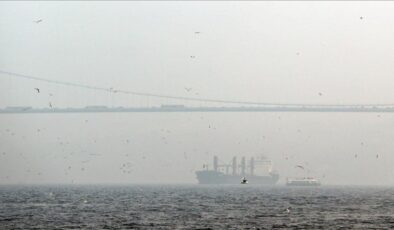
284,52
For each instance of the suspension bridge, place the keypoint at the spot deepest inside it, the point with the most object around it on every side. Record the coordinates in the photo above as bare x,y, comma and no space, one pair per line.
179,103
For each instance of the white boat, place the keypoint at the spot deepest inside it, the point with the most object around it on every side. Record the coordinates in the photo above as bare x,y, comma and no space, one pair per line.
305,181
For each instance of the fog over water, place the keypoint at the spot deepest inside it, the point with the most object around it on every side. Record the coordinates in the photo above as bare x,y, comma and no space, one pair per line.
277,52
169,147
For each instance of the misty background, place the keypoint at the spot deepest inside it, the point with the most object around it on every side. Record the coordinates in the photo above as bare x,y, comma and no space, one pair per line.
275,52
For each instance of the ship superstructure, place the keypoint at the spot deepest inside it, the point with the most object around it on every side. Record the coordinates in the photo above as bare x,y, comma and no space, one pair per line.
256,171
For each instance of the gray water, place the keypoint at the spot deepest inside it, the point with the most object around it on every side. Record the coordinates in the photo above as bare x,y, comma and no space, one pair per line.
195,207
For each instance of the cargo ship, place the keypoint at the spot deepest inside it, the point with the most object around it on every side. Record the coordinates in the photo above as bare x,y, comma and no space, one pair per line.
220,173
305,181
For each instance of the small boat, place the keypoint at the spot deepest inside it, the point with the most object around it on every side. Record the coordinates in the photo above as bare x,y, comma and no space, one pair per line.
305,181
244,180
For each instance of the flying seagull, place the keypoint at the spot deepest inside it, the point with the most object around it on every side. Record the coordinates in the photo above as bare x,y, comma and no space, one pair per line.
299,166
38,90
192,56
188,89
197,32
38,21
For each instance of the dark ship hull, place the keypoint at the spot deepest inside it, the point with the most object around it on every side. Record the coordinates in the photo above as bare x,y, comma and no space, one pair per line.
214,177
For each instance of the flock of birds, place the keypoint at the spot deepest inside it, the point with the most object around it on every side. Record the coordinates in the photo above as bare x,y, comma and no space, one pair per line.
50,95
126,167
191,56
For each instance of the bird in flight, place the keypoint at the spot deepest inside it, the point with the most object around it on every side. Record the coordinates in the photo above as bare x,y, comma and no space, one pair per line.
50,105
320,94
197,32
192,56
38,21
38,90
188,89
299,166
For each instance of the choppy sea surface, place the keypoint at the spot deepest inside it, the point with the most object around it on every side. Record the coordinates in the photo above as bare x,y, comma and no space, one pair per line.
195,207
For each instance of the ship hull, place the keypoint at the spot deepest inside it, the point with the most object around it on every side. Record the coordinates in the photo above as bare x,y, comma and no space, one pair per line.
214,177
